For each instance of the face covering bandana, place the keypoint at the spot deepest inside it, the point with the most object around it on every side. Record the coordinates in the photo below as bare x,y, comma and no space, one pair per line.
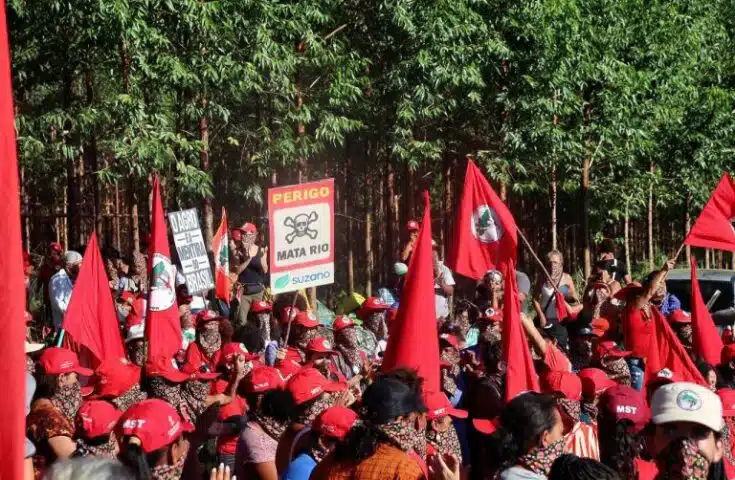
347,344
133,395
449,374
404,436
570,410
210,338
309,414
445,442
376,324
682,460
617,369
136,352
304,336
539,459
68,399
264,327
169,472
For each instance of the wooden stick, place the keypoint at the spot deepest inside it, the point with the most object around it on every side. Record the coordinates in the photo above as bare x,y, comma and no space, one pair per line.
678,252
538,260
290,318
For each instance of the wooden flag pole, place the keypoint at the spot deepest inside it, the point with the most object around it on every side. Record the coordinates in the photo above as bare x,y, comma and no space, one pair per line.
538,260
290,318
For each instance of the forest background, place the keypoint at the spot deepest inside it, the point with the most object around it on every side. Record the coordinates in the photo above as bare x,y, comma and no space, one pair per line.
592,118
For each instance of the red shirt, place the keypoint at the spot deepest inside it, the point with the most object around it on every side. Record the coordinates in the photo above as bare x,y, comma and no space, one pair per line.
555,359
646,470
290,364
195,358
637,331
227,444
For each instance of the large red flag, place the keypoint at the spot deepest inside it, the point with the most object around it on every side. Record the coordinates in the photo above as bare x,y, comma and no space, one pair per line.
666,351
520,375
413,340
485,234
162,327
220,248
91,319
12,293
714,228
707,342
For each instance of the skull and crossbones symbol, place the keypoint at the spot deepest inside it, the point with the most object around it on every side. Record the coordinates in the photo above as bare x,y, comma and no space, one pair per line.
300,225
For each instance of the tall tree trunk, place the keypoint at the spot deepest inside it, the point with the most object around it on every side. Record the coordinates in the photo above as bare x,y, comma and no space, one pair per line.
208,211
504,192
446,217
91,157
585,192
348,215
131,187
392,226
554,233
380,239
410,194
706,258
651,260
627,238
369,235
688,225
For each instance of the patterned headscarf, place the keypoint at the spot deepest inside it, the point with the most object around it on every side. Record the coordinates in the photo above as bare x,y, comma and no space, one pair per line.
617,369
376,324
445,442
682,460
347,344
307,415
132,396
169,472
684,332
591,410
194,393
68,399
727,439
106,450
210,339
136,352
264,327
404,437
539,459
451,373
302,336
171,392
571,408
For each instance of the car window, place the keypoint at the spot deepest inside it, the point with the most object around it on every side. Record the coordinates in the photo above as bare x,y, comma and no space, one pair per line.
683,291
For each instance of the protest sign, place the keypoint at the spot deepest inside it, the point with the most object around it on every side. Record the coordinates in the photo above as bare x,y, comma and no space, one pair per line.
192,252
302,235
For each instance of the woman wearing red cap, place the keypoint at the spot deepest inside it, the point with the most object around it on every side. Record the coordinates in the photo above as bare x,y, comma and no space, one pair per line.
347,343
95,421
250,274
151,439
203,354
412,230
58,396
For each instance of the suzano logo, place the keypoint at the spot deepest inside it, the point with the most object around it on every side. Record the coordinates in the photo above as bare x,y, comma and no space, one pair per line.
284,280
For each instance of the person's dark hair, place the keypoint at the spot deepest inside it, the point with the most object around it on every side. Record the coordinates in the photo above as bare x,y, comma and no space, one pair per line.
46,384
492,355
249,335
141,464
618,446
523,421
226,331
607,246
278,404
704,368
572,467
110,253
392,395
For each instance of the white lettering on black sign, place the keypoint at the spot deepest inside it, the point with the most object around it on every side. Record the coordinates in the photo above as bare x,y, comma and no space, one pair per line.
191,249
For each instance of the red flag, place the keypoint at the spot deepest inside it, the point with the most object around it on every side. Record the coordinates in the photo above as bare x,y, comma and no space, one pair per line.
12,294
707,341
562,312
714,228
91,319
413,341
162,327
520,374
666,351
220,248
485,234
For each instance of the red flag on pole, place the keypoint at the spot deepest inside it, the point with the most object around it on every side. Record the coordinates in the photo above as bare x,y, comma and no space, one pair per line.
12,294
220,248
666,351
91,319
520,374
162,327
714,228
485,232
413,341
707,341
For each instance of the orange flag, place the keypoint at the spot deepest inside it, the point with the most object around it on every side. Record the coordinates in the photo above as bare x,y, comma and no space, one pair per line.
220,248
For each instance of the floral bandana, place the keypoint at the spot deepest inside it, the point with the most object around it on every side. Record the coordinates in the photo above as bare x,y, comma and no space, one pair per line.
133,395
591,410
322,403
449,374
264,327
169,472
539,460
557,272
172,393
106,450
68,399
445,442
404,437
376,324
682,460
685,335
271,426
210,339
347,344
727,440
617,369
194,393
136,352
302,336
571,408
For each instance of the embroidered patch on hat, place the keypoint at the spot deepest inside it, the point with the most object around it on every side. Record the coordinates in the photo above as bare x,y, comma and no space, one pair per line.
665,373
689,401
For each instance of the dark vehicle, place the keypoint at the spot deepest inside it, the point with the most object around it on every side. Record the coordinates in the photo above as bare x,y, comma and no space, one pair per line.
710,281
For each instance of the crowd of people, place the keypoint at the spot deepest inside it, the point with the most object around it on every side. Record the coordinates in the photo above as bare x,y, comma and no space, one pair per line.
260,389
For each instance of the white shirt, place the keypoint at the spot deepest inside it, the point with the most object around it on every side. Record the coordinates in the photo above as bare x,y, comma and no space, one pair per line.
441,302
59,290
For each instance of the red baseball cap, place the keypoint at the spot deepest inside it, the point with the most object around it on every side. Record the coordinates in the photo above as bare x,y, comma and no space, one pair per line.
165,367
262,379
155,422
412,225
450,339
594,382
248,227
335,422
229,350
306,320
633,288
728,354
205,316
308,383
727,397
115,377
600,326
96,418
319,345
57,360
626,403
55,247
236,234
438,406
663,377
566,383
611,350
372,304
287,312
341,322
679,316
486,426
260,306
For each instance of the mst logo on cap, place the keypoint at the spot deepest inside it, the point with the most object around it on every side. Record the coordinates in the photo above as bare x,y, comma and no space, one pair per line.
689,401
163,291
486,226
